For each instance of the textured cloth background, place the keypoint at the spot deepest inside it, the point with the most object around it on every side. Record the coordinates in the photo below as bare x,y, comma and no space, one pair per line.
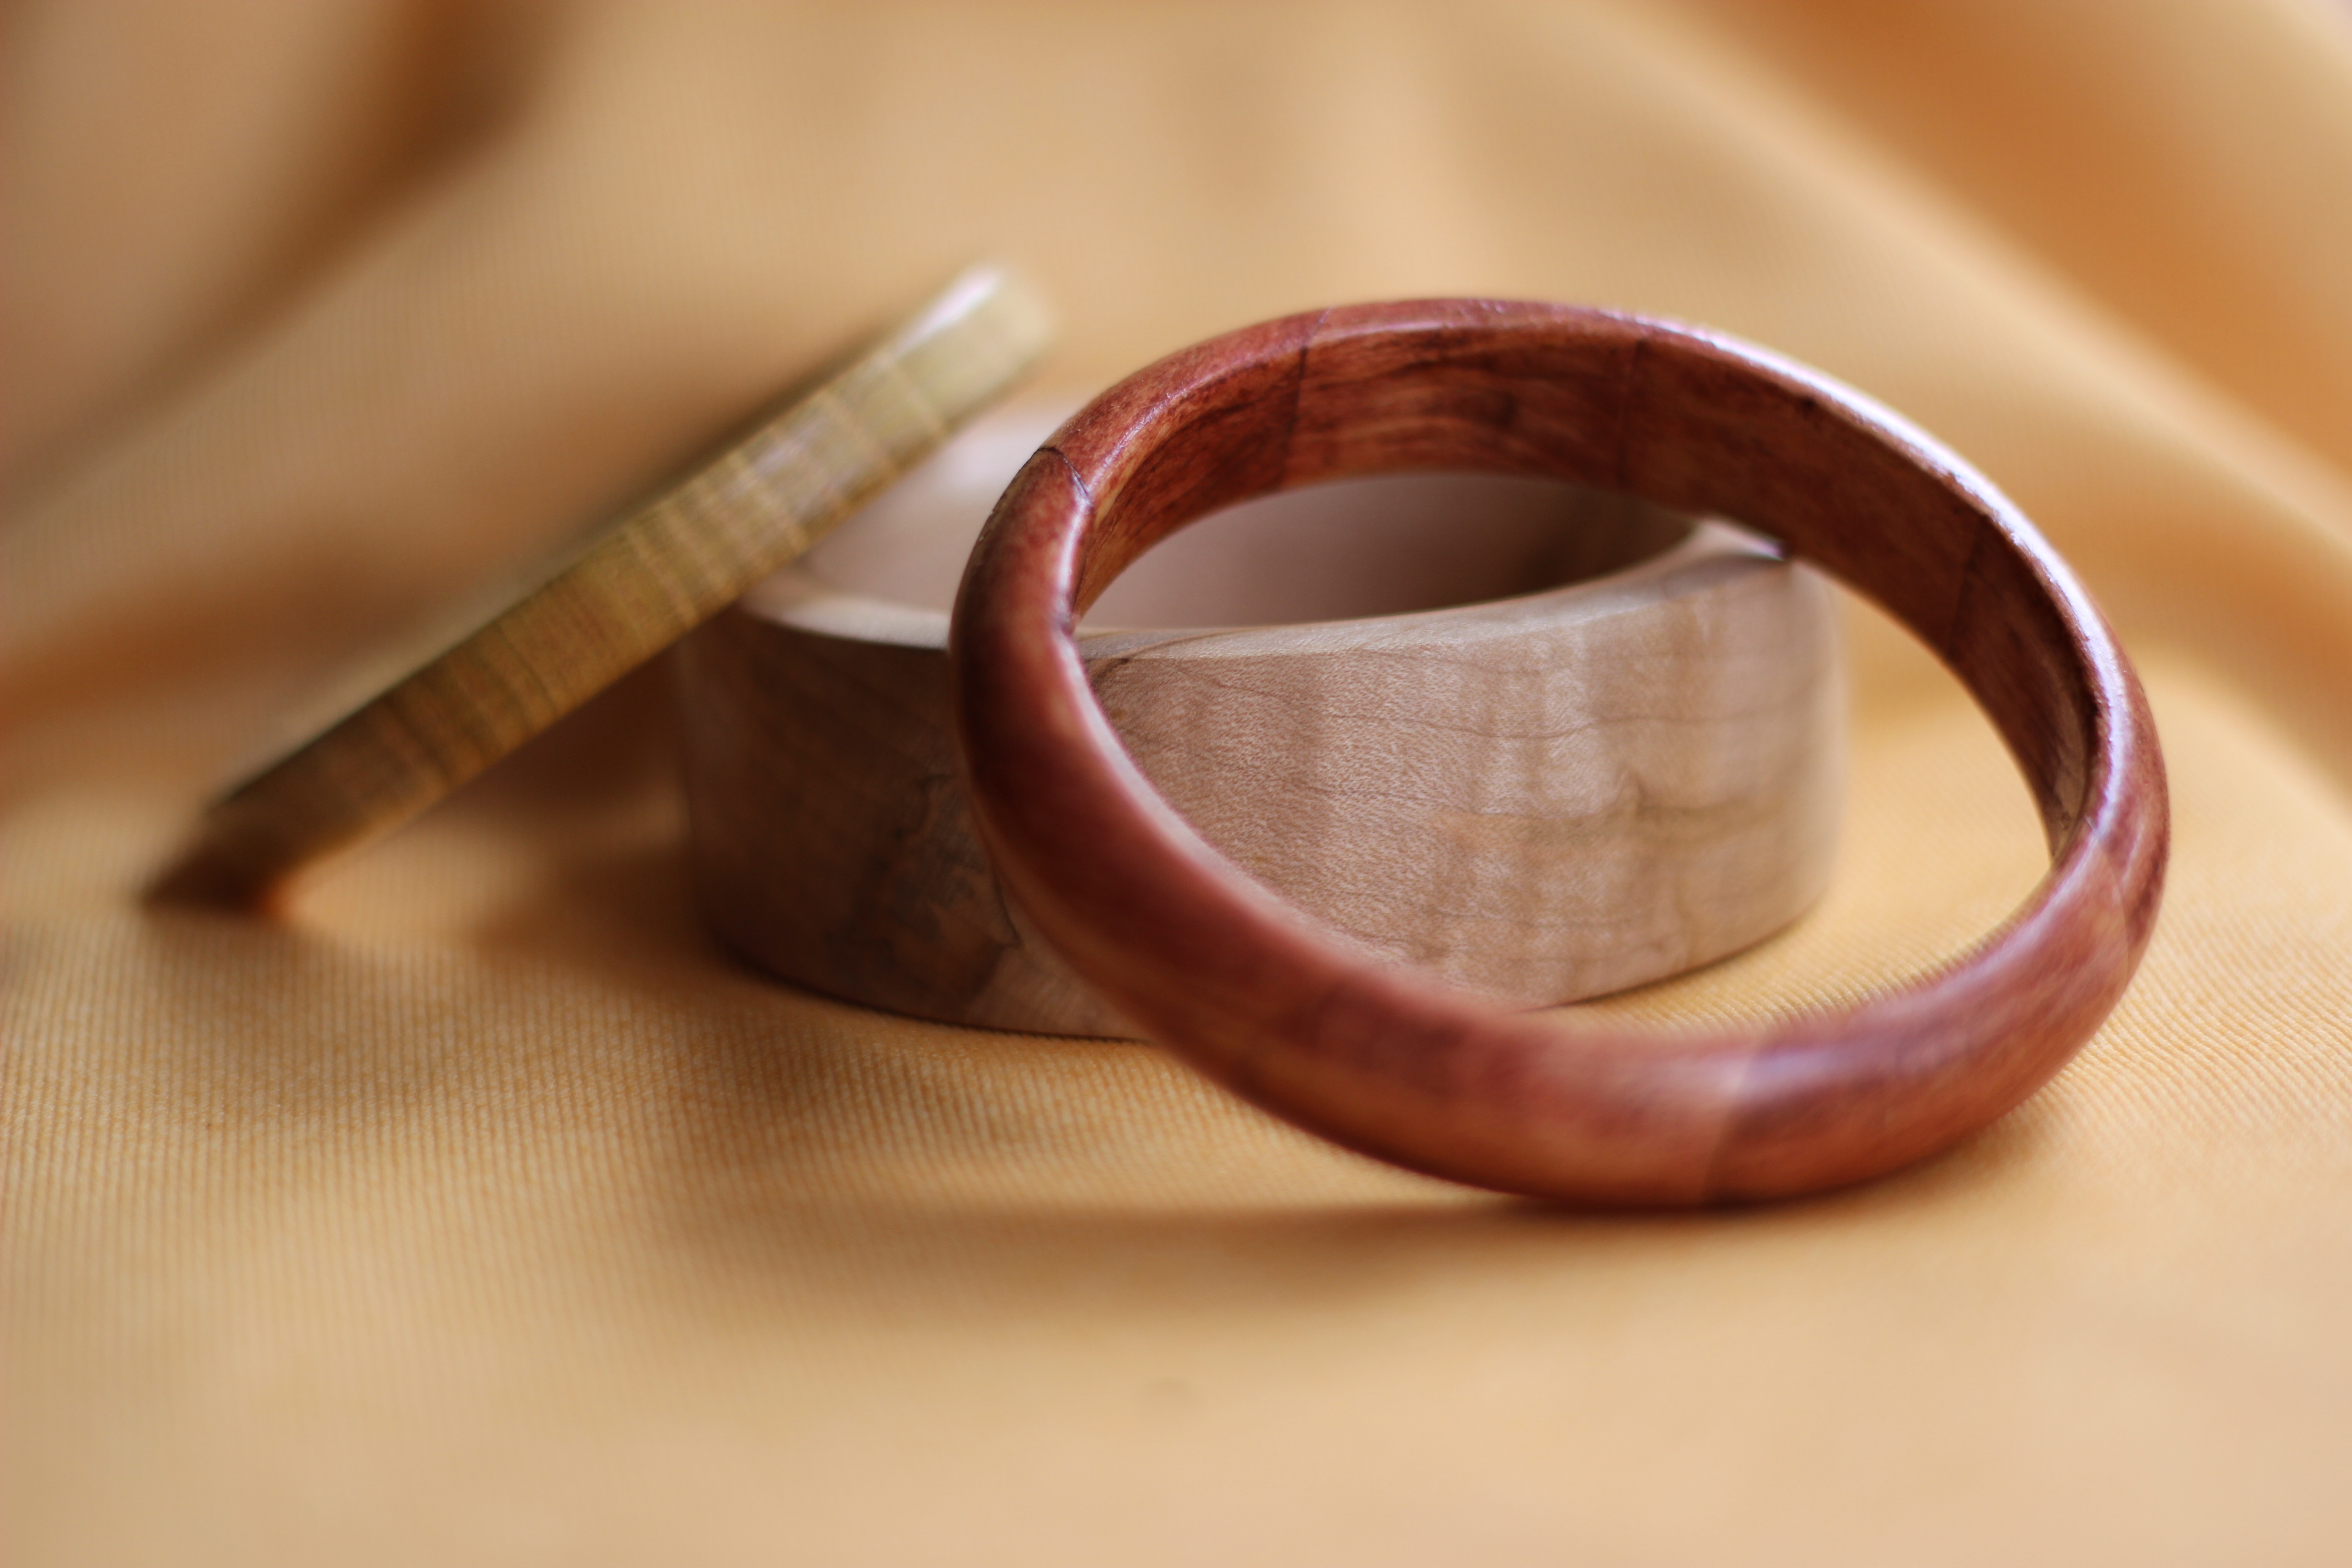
484,1212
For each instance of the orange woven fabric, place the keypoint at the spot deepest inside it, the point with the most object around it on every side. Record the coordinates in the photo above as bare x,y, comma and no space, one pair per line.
485,1212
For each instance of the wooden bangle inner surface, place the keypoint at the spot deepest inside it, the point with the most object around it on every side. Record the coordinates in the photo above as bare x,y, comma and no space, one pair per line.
1373,546
1273,1005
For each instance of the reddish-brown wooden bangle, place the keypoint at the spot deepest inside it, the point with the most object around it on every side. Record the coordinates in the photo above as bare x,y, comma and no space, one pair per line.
1288,1013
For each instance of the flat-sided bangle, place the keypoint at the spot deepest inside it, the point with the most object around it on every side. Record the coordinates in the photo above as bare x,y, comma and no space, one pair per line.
472,692
1542,740
1288,1013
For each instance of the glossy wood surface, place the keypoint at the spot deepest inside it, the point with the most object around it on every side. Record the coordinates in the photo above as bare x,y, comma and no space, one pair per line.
1289,1012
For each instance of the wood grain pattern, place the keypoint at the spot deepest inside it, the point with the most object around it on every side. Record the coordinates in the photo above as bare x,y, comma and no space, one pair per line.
1546,796
1287,1012
631,593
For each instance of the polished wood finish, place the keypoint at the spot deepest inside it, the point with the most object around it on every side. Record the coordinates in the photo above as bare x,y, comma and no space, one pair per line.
1291,1014
634,590
1629,766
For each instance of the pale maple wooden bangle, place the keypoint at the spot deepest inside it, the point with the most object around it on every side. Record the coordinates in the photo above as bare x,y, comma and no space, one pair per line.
1604,742
1287,1012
